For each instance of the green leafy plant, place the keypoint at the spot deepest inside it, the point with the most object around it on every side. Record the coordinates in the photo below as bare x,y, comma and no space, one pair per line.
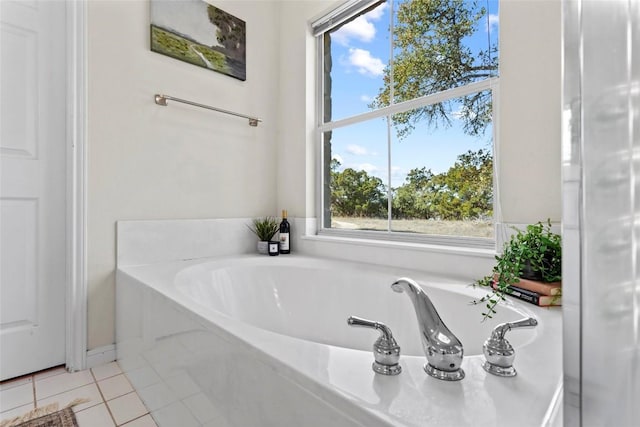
535,253
264,228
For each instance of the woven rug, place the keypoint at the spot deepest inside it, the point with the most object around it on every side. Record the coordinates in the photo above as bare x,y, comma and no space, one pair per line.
46,416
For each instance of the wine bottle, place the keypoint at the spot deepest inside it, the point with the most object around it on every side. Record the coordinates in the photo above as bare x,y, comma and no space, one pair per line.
285,245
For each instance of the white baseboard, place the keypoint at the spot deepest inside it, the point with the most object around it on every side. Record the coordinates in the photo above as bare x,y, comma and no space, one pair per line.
101,355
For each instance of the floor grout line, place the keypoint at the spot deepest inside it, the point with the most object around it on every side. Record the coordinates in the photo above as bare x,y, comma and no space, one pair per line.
133,419
103,398
34,393
33,387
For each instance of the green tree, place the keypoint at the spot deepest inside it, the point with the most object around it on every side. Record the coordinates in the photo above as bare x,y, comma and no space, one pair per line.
464,192
356,193
415,198
467,188
432,54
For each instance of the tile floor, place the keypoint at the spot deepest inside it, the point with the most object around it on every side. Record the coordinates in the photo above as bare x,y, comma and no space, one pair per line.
113,402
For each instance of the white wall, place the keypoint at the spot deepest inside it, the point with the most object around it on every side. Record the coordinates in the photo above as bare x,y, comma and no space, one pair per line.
151,162
530,105
297,146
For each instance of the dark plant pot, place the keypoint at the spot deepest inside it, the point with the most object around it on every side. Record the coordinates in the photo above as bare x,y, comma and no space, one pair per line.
529,273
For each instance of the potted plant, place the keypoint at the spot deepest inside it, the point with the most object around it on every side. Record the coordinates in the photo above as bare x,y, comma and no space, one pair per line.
534,254
264,228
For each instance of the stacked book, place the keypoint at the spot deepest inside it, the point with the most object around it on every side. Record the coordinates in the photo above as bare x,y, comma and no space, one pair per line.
539,293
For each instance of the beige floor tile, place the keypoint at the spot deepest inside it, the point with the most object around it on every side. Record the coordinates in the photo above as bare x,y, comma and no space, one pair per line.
175,414
143,377
105,371
16,396
114,387
126,408
157,396
50,386
145,421
97,384
50,373
27,379
89,391
16,412
96,416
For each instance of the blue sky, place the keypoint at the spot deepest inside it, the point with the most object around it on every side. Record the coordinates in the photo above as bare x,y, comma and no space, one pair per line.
360,51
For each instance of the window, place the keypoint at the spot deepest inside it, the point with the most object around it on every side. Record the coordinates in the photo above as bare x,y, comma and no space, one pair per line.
405,123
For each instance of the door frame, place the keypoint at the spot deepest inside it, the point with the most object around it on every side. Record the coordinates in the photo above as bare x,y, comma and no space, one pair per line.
76,103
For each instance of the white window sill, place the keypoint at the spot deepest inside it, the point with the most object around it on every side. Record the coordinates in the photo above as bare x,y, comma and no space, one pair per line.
482,252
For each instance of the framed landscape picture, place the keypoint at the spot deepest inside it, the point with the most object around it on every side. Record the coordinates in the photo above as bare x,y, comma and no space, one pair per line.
197,32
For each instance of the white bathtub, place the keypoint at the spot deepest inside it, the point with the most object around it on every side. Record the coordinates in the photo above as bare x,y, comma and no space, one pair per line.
263,341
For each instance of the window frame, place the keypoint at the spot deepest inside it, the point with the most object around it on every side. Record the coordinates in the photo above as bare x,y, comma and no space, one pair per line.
325,24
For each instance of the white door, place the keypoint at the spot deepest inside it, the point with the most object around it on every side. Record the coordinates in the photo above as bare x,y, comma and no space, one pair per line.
33,185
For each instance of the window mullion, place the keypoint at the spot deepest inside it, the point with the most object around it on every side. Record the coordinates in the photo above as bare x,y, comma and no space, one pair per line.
413,104
391,102
389,190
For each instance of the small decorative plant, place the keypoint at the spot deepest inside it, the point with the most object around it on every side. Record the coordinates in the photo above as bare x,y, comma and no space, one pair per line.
534,254
264,228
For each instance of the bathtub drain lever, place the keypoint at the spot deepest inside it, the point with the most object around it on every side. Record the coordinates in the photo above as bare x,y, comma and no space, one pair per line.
386,351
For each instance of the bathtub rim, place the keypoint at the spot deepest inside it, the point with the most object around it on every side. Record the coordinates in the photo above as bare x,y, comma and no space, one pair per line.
158,278
461,289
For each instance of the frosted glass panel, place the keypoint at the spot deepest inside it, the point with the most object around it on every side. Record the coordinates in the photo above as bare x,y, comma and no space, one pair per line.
601,191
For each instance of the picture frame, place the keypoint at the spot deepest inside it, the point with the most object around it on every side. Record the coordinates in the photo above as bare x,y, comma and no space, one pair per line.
201,34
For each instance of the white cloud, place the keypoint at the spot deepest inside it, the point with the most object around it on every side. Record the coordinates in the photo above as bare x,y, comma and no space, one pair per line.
365,63
397,172
494,22
361,28
356,150
376,13
366,98
368,168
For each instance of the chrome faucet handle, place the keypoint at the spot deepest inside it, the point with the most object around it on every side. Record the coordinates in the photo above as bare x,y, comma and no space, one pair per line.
499,352
386,351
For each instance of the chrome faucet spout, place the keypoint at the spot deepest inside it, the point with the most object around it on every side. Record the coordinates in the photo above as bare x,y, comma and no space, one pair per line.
442,348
